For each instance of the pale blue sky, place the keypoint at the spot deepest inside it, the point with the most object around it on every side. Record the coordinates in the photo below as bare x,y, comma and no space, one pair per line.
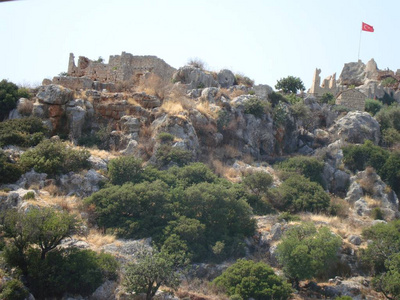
264,40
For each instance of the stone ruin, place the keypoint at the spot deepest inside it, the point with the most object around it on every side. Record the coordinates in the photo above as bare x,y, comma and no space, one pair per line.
351,98
124,68
328,85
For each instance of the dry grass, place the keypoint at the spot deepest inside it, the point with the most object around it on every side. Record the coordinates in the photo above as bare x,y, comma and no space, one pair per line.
225,171
98,239
198,289
25,108
236,93
154,85
132,101
204,108
103,154
231,152
372,203
52,189
342,227
172,107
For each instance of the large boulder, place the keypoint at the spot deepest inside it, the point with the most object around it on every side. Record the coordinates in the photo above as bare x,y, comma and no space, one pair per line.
226,78
262,91
356,127
194,78
54,94
82,185
353,73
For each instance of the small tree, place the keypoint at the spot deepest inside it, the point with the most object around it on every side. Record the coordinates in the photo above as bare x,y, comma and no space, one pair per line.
151,270
253,280
305,251
9,95
290,84
389,282
125,169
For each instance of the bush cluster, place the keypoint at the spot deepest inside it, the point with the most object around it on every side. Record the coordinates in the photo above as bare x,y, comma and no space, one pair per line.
255,106
309,167
209,216
248,279
9,95
25,132
54,157
386,164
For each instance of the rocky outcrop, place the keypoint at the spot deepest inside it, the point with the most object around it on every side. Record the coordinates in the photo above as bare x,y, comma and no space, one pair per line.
356,127
194,78
368,191
54,94
353,73
82,185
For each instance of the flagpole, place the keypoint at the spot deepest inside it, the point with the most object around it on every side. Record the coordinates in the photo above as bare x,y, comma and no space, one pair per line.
359,46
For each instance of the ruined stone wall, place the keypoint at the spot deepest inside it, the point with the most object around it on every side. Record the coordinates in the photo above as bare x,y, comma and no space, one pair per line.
120,68
352,98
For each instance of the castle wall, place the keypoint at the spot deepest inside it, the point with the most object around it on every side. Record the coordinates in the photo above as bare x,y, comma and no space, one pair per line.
120,68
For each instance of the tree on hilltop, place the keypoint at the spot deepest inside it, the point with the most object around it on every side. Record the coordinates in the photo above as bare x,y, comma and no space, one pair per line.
290,84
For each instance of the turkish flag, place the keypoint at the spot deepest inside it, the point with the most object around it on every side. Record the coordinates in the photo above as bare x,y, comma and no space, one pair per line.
367,27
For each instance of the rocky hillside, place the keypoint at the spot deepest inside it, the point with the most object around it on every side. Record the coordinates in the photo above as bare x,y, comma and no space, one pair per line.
240,166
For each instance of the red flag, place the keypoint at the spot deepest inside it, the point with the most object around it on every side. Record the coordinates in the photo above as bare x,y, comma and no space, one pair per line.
367,27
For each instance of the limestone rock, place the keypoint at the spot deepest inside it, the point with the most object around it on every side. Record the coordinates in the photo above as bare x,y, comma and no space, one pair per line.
130,124
54,94
356,127
226,78
194,78
353,73
209,94
32,178
355,240
82,185
105,292
262,91
76,118
97,163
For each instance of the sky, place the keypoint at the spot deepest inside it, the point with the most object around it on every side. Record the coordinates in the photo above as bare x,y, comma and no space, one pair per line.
264,40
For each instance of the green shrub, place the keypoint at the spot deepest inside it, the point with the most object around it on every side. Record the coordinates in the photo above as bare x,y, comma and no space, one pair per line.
249,279
9,172
328,98
54,157
70,270
100,138
255,106
167,154
280,113
306,251
377,214
309,167
389,282
391,136
165,137
389,81
358,157
288,217
385,242
390,172
389,117
125,169
9,95
14,290
223,119
29,195
293,99
388,99
23,132
195,173
297,193
373,106
275,98
344,298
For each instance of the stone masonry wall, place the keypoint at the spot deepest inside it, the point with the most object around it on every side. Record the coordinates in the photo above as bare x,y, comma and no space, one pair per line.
120,68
